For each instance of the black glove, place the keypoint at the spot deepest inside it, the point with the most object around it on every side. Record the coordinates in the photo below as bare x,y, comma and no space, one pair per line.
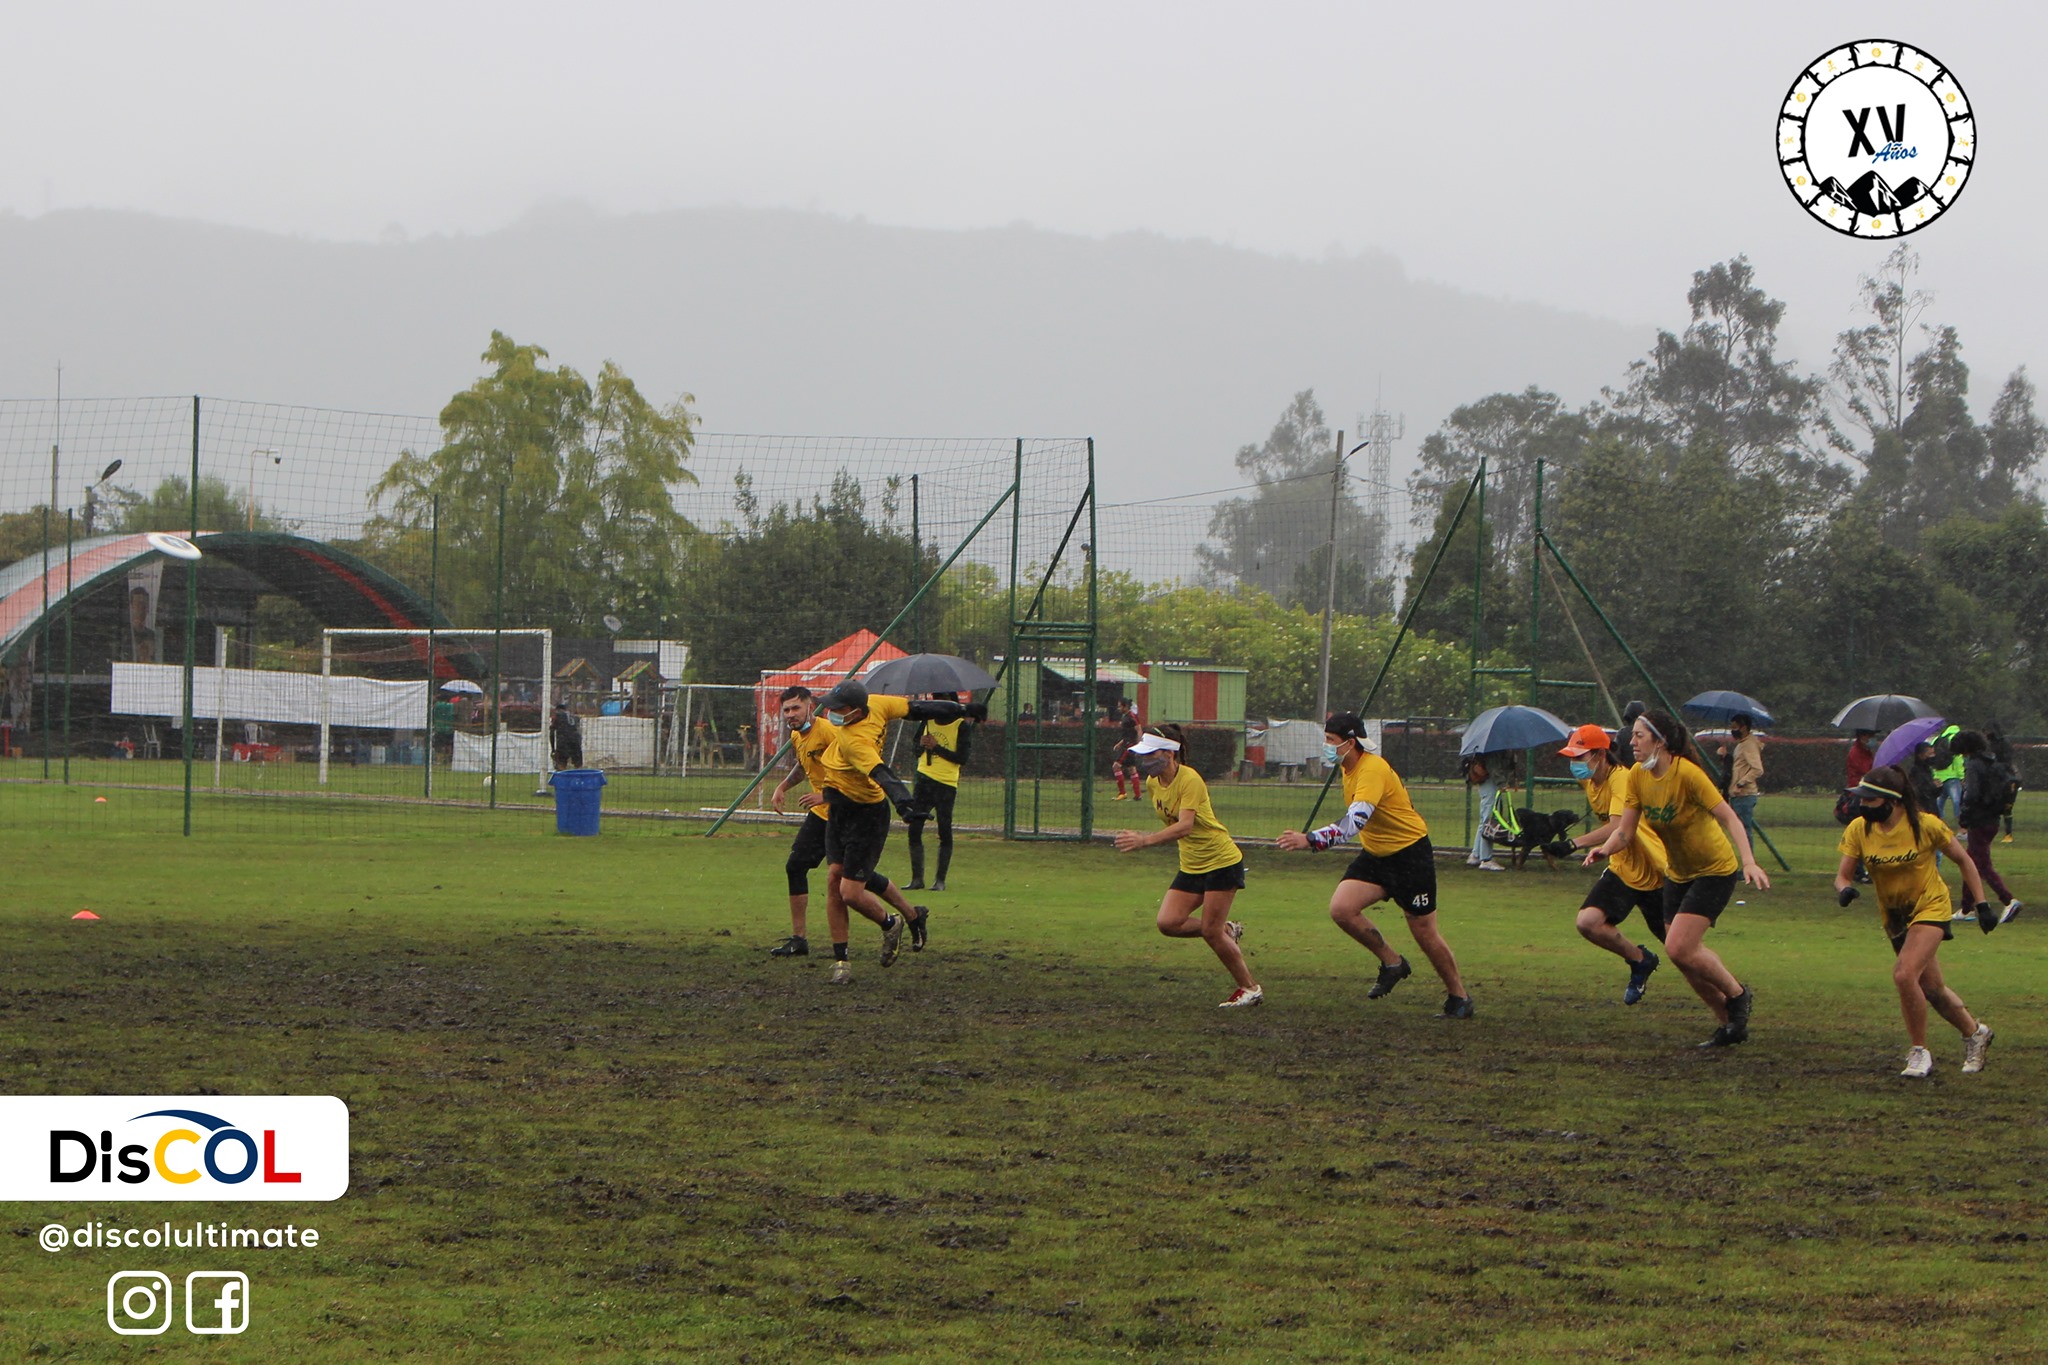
977,710
1845,895
1560,848
913,812
1987,916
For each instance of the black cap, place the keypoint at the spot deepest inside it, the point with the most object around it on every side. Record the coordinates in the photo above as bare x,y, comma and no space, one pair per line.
848,696
1631,712
1344,725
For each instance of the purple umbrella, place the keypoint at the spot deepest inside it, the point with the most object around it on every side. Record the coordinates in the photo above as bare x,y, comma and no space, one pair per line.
1898,746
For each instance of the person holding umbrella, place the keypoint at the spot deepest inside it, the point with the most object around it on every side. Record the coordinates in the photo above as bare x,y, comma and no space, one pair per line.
1197,904
946,744
1633,878
1897,841
1395,863
1671,790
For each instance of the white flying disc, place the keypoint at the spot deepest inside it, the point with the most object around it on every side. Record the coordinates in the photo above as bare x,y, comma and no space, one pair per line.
177,547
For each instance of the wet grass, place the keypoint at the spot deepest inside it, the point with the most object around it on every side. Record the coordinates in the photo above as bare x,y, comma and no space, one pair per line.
593,1121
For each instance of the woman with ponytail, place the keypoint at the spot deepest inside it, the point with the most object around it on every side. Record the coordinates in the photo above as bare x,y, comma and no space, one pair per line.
1898,841
1671,790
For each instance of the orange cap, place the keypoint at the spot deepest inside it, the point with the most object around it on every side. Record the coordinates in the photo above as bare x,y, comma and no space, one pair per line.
1584,739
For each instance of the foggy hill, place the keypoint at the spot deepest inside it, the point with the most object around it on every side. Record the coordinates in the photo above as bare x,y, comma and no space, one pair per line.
1172,353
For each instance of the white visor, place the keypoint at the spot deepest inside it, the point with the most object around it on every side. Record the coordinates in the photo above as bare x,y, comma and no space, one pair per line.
1153,744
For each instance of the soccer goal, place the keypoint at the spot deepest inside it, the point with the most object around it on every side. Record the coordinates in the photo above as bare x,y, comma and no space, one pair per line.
448,709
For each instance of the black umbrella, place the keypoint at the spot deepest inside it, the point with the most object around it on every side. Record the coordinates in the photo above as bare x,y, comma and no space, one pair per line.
915,674
1885,712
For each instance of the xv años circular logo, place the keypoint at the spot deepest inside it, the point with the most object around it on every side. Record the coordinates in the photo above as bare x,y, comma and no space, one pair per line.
1876,139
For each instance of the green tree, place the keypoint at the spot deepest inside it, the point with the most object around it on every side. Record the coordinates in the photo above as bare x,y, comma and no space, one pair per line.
585,472
222,507
1869,368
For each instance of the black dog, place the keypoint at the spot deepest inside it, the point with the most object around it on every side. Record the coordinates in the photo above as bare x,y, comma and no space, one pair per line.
1549,835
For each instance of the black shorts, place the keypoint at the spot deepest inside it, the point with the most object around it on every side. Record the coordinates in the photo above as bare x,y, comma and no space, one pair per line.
1899,939
807,850
854,836
1222,879
1614,898
1407,875
1703,896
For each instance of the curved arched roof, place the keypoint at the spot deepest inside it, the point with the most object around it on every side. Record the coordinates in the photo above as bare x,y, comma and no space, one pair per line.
338,588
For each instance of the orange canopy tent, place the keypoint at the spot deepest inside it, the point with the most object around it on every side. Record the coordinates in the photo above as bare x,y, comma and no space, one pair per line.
818,672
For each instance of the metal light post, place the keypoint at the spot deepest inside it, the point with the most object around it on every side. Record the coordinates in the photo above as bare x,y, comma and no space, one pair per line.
92,494
276,457
1338,456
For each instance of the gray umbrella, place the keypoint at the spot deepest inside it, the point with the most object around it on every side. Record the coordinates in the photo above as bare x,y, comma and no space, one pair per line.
1885,712
915,674
1512,727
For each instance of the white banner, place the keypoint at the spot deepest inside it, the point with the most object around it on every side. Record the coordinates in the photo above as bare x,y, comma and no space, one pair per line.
618,741
517,752
263,695
79,1148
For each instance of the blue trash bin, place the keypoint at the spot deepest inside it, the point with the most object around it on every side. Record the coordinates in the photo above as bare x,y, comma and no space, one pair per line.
579,793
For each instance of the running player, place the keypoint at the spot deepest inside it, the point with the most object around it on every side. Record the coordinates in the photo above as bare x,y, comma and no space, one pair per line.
1396,863
1897,842
946,744
860,788
1633,878
809,736
1197,904
1670,789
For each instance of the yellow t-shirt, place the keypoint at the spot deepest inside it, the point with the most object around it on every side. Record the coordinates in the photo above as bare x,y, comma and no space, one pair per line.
947,735
1909,888
1641,864
1207,846
857,750
1676,807
1395,823
810,747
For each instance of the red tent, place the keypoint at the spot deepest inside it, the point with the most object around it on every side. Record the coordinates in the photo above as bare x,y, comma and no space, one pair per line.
817,672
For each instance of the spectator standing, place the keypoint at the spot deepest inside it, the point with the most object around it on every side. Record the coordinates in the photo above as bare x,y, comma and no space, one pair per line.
1983,801
565,737
2001,749
1489,773
1745,773
1948,771
1857,766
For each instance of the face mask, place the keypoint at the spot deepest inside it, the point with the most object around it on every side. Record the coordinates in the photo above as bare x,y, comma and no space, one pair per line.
1581,769
1152,765
1877,814
1329,753
803,729
838,717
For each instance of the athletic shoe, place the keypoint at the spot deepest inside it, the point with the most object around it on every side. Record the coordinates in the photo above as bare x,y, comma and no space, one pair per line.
1724,1036
1235,930
1738,1013
2012,912
2006,840
1961,915
914,884
892,938
1919,1062
1457,1007
1489,866
1389,978
1243,996
842,973
796,945
918,926
1975,1046
1120,797
1471,862
1639,976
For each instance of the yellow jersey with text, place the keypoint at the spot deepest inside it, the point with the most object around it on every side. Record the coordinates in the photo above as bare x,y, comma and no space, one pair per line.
1641,864
1207,846
857,751
1902,871
945,734
1678,806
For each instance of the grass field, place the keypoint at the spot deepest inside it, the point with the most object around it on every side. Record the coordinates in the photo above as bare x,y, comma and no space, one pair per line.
592,1121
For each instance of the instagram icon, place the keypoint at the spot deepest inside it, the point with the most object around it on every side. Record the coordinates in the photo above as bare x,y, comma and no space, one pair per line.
139,1302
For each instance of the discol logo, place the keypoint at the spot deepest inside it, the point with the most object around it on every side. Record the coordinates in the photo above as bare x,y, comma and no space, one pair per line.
1876,139
170,1147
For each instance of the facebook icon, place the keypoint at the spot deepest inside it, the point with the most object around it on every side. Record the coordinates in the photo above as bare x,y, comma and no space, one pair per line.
216,1302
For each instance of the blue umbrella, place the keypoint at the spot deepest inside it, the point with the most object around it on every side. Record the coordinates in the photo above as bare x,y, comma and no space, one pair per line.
1512,727
1898,746
1726,706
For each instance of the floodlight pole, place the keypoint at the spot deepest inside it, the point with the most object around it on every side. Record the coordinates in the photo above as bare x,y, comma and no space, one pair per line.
1337,458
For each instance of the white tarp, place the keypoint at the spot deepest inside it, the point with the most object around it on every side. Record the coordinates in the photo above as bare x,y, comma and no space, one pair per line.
1299,743
517,752
618,741
274,698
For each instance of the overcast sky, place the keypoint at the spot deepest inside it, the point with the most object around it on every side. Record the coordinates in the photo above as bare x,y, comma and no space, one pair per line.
1586,155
